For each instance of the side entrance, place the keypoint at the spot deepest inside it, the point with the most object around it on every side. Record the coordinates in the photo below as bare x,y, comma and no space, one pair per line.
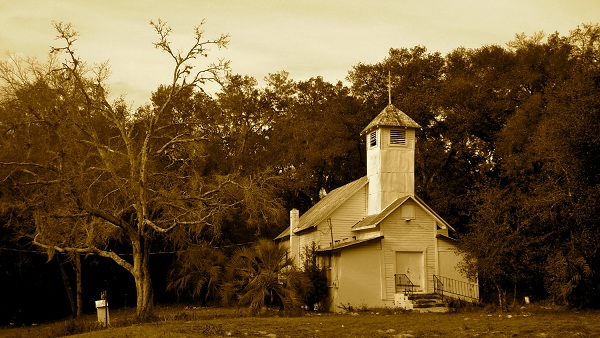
411,264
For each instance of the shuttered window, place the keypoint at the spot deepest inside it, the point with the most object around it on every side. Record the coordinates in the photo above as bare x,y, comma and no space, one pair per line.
373,139
398,136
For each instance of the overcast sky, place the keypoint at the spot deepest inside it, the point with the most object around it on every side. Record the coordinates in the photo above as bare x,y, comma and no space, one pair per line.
306,38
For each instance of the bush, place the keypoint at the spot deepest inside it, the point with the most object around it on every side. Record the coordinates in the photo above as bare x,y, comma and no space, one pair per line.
263,276
317,276
198,273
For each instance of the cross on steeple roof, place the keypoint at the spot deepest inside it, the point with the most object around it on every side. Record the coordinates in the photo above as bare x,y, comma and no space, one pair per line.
389,87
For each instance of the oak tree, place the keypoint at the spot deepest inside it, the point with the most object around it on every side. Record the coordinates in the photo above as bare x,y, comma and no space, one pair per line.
99,178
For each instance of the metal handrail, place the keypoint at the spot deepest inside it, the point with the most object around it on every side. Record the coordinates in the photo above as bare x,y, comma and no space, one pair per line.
404,284
455,288
438,286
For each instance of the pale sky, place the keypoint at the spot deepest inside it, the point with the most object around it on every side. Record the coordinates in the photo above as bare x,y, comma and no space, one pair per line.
306,38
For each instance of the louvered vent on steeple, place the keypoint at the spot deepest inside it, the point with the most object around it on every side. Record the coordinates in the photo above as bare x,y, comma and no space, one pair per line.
390,140
398,136
373,139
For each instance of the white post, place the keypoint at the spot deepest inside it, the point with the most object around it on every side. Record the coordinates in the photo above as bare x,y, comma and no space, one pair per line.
294,240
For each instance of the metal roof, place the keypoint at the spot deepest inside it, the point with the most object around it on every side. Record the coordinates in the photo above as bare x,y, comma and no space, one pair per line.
391,116
327,205
350,243
373,220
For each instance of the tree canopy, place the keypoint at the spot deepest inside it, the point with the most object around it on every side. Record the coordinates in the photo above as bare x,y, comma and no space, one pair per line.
508,154
97,178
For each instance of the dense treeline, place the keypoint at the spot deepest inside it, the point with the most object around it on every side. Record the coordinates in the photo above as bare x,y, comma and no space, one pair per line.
508,154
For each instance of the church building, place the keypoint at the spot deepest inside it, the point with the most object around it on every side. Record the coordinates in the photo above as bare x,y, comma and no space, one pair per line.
381,244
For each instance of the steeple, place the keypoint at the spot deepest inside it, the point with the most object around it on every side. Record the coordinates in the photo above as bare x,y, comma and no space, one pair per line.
390,157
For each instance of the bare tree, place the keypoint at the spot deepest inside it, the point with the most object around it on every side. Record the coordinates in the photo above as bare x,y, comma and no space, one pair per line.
94,175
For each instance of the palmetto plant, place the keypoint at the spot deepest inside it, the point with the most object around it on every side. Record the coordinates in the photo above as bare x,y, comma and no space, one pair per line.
199,272
263,276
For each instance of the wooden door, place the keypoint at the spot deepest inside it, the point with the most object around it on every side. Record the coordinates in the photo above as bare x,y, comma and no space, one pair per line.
411,264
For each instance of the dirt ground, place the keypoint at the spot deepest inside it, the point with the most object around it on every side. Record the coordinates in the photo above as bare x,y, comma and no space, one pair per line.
532,321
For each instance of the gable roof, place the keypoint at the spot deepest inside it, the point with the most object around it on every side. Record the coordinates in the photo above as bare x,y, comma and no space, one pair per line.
327,205
432,212
391,116
351,243
372,221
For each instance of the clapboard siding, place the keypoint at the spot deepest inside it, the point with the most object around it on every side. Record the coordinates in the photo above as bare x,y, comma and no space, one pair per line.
446,245
348,214
357,270
307,238
450,260
342,220
402,235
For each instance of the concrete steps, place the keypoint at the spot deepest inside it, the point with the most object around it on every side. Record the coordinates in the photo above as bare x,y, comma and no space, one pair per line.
426,300
421,302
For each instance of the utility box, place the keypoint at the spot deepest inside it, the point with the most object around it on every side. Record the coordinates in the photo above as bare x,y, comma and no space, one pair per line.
102,310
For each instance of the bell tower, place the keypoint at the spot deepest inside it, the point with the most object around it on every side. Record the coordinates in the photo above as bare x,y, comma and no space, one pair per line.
390,139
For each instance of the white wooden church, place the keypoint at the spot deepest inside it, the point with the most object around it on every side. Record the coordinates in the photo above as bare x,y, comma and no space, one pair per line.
381,244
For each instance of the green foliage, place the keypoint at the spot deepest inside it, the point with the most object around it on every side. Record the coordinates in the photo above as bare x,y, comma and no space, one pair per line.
315,143
263,276
509,154
534,223
95,175
567,278
198,272
317,275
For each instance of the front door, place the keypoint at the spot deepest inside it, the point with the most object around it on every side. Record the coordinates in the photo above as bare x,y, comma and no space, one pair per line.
411,264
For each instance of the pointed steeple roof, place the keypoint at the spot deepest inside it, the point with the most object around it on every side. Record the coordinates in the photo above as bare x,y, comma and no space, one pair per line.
391,117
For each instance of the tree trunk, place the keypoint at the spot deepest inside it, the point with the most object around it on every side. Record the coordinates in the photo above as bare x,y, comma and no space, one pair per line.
68,288
78,284
514,304
145,298
143,283
501,298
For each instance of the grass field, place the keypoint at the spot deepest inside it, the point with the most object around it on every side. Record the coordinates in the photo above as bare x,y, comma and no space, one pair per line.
533,321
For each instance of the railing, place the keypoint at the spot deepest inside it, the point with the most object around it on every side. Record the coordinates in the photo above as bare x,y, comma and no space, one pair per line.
455,288
404,284
438,286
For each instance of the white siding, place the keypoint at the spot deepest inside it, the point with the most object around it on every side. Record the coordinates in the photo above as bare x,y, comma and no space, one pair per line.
348,214
415,235
357,271
306,238
342,220
391,170
449,260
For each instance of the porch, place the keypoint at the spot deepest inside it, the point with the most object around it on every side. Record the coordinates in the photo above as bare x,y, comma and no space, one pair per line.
405,296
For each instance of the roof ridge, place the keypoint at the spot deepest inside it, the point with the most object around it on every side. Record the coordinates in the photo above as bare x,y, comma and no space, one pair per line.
391,116
328,204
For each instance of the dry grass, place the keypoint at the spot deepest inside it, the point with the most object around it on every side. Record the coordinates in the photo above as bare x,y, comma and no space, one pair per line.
210,322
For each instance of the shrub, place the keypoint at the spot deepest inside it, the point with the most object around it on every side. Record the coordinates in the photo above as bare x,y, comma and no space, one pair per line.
317,276
263,276
198,273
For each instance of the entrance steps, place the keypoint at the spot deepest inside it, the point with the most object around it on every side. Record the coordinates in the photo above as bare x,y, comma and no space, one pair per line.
421,302
428,302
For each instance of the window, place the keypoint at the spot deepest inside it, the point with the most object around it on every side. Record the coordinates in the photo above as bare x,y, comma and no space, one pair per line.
398,136
373,139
